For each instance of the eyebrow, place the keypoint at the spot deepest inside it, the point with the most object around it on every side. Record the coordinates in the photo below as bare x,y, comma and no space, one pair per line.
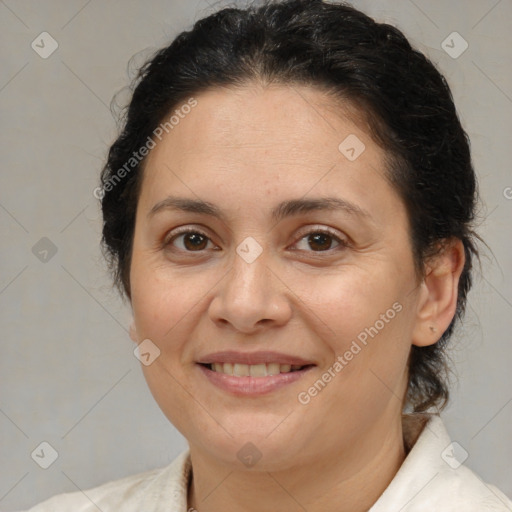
282,210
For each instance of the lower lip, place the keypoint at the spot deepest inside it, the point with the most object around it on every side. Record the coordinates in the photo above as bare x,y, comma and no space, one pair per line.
252,386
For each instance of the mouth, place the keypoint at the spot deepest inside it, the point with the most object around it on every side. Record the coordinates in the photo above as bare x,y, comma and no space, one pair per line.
253,374
254,370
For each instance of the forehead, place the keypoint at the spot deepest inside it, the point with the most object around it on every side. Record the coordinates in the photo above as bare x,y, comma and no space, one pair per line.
265,140
276,115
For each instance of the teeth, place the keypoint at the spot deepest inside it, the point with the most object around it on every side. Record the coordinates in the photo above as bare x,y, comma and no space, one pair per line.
240,370
253,370
258,370
273,369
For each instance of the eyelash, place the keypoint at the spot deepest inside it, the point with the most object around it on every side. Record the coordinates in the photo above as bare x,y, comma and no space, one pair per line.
184,231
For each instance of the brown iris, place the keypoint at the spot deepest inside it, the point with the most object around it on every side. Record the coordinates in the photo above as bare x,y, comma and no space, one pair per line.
197,241
323,241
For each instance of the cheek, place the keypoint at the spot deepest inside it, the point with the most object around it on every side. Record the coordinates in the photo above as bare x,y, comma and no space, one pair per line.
350,301
364,316
161,301
163,311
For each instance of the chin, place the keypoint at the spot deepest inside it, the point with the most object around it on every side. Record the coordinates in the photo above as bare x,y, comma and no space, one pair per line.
256,442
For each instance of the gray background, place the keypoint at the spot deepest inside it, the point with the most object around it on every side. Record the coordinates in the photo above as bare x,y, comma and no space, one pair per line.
68,374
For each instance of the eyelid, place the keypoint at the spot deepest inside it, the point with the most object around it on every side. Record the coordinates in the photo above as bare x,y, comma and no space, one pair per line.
185,229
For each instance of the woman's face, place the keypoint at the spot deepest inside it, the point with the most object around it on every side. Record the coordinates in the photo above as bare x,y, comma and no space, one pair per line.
306,263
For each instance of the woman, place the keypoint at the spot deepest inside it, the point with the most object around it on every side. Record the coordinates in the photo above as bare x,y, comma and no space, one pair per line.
289,211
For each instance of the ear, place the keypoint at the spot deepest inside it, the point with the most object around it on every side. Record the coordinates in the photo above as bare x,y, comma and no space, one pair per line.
133,332
438,293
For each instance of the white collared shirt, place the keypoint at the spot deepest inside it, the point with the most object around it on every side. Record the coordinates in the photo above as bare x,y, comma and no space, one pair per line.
429,480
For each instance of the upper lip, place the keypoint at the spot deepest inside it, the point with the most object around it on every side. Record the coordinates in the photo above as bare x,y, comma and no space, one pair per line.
250,358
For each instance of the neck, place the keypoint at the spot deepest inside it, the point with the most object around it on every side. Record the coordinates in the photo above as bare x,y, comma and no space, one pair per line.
348,481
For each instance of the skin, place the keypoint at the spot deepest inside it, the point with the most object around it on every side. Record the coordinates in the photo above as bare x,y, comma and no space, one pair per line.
245,150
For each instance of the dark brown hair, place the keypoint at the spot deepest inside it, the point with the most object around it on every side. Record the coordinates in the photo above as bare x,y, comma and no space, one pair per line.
406,101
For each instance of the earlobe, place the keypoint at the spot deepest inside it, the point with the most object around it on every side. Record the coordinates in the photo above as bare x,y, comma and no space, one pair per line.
439,291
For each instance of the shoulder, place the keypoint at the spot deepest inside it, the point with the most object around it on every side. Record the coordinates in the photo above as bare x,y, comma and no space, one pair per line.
431,478
131,494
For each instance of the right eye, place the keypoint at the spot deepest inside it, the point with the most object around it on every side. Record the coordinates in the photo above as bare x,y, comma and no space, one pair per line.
190,240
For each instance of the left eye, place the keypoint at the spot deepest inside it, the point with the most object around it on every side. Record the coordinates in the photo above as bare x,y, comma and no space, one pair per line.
320,241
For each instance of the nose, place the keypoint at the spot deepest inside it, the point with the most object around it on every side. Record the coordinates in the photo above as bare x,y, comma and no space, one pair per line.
250,298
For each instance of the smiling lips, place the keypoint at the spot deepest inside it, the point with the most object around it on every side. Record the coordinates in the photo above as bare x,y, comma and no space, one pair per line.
253,373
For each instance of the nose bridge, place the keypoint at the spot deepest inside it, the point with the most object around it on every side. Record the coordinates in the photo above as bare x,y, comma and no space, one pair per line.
249,286
250,293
